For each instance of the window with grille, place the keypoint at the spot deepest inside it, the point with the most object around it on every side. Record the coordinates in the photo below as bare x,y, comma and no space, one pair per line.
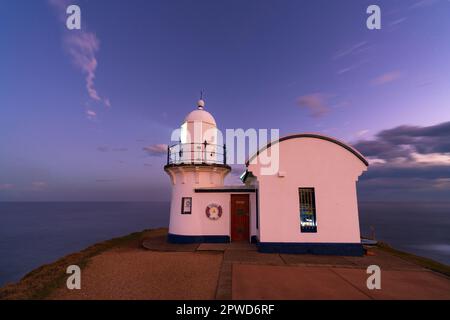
308,222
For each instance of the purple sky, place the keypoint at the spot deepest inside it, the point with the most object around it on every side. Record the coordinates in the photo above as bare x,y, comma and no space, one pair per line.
83,113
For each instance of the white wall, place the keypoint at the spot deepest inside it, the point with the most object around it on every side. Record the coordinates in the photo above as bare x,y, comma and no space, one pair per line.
185,180
310,162
198,223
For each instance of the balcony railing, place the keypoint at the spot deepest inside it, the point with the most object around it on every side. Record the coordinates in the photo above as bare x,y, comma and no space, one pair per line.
196,153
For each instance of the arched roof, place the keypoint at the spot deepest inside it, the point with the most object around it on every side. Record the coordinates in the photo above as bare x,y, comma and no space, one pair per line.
314,136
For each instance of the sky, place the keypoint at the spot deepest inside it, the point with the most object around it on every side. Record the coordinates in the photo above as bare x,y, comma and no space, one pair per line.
85,114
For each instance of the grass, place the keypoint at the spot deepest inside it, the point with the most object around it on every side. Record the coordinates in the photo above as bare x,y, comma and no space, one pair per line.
41,282
421,261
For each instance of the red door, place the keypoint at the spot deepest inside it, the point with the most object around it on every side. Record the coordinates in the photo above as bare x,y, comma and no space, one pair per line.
240,217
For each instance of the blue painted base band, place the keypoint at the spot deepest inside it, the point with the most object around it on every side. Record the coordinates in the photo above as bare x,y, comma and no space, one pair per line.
337,249
176,238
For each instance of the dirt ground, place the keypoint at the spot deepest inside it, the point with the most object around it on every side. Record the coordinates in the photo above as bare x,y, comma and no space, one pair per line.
140,274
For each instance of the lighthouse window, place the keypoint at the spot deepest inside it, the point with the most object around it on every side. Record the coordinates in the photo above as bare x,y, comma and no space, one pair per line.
308,222
186,205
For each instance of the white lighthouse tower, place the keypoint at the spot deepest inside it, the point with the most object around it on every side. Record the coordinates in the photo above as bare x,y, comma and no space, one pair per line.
197,161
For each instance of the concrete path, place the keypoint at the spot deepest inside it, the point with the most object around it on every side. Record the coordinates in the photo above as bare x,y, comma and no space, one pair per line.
247,274
310,283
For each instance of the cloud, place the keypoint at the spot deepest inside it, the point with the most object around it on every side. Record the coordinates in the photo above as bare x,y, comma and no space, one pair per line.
82,47
156,149
6,186
91,114
386,78
351,67
107,149
353,49
316,104
432,158
375,161
103,149
105,180
60,5
443,183
362,133
408,158
347,69
423,3
397,22
38,185
414,144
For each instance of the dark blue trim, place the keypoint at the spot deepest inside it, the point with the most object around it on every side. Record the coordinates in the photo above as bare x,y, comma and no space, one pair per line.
225,190
254,239
338,249
176,238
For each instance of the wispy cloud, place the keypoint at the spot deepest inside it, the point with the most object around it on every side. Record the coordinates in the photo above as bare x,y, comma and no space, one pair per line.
443,183
82,46
316,103
105,180
156,149
432,158
386,78
351,67
353,49
6,186
397,21
362,133
91,114
347,69
107,149
423,3
38,185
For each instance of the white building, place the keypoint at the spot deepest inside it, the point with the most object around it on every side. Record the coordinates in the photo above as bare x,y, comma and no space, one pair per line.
308,206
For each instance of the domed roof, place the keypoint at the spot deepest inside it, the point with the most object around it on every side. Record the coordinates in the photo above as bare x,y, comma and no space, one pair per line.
200,115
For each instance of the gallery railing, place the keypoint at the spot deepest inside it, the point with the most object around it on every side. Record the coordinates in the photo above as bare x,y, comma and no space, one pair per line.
197,153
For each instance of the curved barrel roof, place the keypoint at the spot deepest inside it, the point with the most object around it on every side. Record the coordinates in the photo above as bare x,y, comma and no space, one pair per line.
314,136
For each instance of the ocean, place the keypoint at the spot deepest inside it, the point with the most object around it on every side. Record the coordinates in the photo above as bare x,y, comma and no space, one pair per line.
36,233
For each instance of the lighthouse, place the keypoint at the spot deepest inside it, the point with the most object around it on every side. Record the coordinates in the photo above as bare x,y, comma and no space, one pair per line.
197,162
309,205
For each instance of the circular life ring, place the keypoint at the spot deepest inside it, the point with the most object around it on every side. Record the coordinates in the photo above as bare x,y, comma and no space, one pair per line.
214,211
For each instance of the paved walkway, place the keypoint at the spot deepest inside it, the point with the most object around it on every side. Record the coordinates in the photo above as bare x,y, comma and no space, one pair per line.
248,274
